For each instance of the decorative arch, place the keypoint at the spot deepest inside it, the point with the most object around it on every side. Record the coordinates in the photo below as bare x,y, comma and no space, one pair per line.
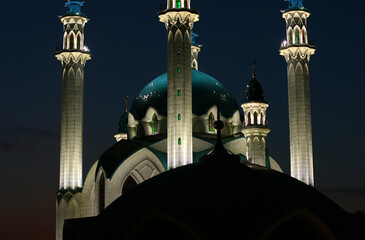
255,118
78,41
304,35
72,41
290,35
299,221
178,36
297,35
211,122
65,41
249,121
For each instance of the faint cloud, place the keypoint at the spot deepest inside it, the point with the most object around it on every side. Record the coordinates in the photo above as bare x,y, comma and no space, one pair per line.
24,138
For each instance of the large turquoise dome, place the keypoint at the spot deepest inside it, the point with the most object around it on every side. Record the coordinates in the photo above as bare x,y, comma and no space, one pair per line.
205,91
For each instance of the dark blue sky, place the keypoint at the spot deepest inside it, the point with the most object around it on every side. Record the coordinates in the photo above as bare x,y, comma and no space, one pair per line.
128,46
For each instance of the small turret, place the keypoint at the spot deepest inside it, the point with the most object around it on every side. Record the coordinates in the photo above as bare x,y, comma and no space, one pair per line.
255,126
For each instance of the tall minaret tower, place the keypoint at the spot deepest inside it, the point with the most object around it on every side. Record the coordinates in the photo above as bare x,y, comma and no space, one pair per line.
179,20
255,127
297,52
73,57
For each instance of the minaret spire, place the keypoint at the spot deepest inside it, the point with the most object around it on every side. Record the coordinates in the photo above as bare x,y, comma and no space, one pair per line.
179,20
73,56
254,69
297,52
126,104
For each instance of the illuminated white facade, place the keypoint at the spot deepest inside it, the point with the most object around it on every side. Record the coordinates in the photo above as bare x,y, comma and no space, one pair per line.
179,94
297,52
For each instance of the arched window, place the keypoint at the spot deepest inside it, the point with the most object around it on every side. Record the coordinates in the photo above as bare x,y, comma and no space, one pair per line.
297,39
179,141
72,41
179,92
185,4
304,36
154,123
255,118
65,42
129,184
249,118
78,41
211,122
179,117
262,119
179,69
171,5
291,37
178,3
101,193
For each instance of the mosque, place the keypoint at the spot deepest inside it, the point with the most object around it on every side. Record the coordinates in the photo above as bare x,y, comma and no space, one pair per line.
171,123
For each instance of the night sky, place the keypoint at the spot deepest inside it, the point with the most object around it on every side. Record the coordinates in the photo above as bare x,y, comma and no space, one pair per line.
128,46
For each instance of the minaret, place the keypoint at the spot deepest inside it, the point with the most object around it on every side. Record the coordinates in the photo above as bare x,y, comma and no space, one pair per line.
255,127
297,52
73,57
179,20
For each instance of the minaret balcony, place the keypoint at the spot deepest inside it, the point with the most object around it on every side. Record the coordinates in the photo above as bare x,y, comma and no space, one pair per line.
285,44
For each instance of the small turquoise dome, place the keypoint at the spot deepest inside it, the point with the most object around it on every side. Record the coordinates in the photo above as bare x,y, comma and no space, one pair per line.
205,91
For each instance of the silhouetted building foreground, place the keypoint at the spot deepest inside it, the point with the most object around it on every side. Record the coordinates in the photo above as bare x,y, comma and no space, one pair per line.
220,197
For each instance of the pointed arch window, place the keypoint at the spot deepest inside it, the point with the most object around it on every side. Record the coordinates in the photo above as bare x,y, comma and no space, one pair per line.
179,141
179,92
297,38
249,119
154,123
211,122
179,117
101,193
255,117
304,36
65,42
186,4
291,37
171,5
78,41
178,3
72,41
179,69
